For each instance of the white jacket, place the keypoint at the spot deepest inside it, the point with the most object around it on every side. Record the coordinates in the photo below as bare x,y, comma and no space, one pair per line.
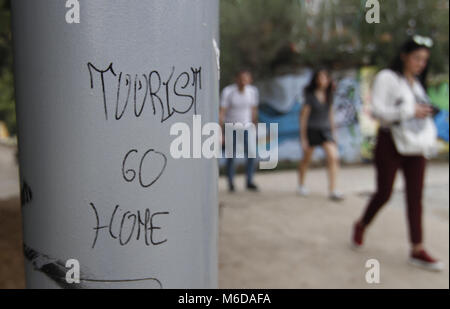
392,98
394,104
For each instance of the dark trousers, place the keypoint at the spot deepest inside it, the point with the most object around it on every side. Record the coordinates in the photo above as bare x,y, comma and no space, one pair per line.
387,162
250,168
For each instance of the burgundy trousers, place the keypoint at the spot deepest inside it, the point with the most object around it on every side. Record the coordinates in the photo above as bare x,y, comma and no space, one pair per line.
387,162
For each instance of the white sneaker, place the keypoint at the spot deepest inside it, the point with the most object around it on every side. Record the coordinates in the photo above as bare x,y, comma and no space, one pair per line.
337,196
303,191
423,260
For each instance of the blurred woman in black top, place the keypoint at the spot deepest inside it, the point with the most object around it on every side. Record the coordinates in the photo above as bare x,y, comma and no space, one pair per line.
317,129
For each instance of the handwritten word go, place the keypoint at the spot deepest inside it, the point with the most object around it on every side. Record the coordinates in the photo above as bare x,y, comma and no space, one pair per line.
73,14
151,155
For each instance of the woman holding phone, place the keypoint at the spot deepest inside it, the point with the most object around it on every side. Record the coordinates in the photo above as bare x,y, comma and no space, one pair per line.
406,137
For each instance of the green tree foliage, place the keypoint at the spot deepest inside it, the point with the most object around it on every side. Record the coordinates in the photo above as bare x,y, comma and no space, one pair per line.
254,32
7,105
401,18
439,95
272,37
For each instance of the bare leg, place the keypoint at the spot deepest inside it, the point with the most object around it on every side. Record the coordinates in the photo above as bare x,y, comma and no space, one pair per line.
333,164
304,164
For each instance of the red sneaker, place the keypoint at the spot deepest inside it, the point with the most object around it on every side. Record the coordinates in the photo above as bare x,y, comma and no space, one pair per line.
358,235
423,260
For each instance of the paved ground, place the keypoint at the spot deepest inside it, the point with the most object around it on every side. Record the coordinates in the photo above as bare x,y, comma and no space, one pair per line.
278,240
275,239
8,172
11,260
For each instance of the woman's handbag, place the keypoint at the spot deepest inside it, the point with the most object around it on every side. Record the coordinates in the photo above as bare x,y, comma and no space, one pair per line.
415,137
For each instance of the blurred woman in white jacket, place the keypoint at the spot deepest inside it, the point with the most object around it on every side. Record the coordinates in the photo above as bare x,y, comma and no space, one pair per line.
406,137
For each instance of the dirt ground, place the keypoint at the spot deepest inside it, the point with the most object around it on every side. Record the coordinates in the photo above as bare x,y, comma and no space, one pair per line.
276,239
11,258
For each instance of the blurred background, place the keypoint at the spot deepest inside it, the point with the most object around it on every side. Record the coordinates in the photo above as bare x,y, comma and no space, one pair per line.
281,42
7,106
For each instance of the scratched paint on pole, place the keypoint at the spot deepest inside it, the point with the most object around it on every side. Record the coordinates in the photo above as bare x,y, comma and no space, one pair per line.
95,103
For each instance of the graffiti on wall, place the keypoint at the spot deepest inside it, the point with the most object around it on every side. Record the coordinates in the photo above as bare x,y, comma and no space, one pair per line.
282,101
439,96
347,106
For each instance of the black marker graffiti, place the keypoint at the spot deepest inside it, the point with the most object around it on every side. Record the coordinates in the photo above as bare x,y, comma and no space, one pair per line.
26,195
149,88
56,270
126,226
151,155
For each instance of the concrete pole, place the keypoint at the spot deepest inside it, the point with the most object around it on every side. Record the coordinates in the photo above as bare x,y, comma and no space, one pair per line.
98,89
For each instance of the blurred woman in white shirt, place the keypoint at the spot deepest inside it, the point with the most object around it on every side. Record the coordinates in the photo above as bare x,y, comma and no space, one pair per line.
405,139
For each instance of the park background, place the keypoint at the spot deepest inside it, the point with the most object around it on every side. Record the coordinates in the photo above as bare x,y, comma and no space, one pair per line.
281,42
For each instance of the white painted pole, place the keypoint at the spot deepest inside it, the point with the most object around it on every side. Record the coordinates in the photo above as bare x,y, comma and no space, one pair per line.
95,103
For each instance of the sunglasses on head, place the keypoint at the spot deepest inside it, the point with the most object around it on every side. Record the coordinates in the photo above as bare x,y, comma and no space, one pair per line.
423,41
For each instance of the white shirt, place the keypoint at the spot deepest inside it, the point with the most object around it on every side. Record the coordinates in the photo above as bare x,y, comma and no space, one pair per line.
238,104
393,99
393,103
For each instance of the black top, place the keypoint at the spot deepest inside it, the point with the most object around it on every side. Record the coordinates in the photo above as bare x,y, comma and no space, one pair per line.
320,113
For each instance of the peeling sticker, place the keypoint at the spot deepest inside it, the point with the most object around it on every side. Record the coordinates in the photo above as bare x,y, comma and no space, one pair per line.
217,51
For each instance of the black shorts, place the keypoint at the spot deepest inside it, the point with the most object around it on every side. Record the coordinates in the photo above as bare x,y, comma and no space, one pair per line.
318,137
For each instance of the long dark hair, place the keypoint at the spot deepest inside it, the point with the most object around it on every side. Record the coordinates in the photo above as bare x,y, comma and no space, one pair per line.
407,48
313,85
